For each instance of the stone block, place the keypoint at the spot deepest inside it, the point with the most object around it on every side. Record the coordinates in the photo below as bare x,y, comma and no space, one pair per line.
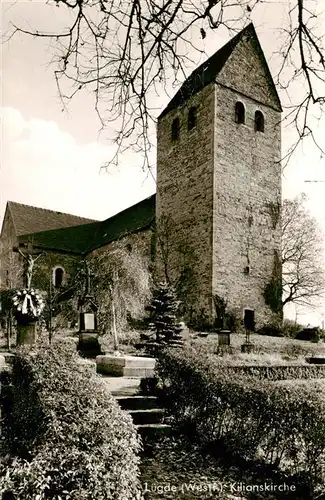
127,366
139,402
138,372
26,333
148,416
139,362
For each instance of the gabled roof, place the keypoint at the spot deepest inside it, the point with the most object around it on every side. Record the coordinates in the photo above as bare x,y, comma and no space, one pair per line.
29,219
208,71
84,238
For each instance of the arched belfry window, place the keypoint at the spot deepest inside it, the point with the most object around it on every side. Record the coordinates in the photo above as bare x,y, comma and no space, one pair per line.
175,129
239,112
192,118
58,275
259,121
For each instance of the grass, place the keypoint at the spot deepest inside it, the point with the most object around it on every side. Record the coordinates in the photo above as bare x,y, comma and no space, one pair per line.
268,350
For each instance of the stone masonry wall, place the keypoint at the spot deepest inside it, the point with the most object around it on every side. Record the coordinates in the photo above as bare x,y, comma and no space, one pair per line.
247,73
10,262
247,188
219,190
185,200
140,241
66,313
45,265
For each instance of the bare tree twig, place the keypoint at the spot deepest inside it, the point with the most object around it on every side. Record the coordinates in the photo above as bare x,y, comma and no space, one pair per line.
121,50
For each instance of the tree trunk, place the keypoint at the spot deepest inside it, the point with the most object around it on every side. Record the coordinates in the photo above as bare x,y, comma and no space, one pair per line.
114,331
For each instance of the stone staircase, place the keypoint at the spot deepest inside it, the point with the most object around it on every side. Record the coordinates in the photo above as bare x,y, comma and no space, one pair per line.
122,376
146,413
145,410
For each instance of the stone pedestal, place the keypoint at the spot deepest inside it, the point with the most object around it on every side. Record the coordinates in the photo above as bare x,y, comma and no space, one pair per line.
26,332
26,329
88,344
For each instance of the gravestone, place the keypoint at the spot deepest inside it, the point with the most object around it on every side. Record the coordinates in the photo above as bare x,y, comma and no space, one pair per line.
88,344
223,341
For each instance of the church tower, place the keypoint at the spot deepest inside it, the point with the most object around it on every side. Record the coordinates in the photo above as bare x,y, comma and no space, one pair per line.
219,186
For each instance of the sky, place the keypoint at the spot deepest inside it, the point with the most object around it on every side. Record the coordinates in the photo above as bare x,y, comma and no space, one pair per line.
52,158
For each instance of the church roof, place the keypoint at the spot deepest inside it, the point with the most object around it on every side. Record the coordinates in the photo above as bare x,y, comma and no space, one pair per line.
84,238
29,219
208,71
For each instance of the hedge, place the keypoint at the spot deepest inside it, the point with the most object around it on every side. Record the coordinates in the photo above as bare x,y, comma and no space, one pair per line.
276,372
66,437
277,423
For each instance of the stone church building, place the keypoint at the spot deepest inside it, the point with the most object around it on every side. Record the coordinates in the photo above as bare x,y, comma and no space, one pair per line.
213,227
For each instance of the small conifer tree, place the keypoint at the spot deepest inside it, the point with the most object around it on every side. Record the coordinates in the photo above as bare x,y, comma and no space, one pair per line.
163,320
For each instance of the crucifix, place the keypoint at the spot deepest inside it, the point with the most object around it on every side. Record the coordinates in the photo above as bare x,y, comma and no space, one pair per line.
88,275
30,257
87,307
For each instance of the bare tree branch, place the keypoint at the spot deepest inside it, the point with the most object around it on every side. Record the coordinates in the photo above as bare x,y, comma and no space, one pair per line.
125,51
306,38
302,255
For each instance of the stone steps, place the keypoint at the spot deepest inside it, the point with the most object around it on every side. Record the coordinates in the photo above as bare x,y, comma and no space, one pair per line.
145,410
147,417
153,431
122,376
137,402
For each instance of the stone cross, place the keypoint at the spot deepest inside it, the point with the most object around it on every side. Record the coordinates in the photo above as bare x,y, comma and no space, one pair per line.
30,257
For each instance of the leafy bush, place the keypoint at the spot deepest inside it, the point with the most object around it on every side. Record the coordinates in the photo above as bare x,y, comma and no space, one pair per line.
280,424
126,339
66,436
309,334
290,328
271,329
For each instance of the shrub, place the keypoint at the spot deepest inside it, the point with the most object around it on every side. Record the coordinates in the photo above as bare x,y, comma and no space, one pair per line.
271,329
309,334
290,328
127,340
66,436
281,424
